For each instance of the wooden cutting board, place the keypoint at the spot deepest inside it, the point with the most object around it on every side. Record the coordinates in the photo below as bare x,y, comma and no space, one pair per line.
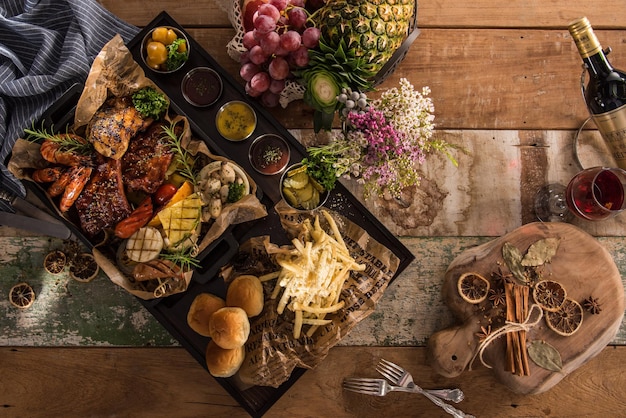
581,264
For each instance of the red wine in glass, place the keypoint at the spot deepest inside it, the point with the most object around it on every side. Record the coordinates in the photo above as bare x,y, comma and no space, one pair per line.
597,193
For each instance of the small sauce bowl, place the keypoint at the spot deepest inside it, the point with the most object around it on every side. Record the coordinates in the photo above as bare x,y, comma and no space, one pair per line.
161,44
269,154
300,191
202,86
236,120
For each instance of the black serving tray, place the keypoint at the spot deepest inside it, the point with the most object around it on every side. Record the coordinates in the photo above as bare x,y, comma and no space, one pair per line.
171,311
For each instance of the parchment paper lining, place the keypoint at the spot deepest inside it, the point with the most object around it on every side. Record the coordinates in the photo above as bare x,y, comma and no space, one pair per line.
114,72
271,351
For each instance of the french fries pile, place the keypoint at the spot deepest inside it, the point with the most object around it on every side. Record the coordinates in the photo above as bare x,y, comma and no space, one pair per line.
312,275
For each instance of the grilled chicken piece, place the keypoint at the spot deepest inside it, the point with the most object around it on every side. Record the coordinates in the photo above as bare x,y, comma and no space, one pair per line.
102,203
145,163
113,126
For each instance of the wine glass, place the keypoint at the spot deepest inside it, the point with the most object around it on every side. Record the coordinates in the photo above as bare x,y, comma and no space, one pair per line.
551,204
597,193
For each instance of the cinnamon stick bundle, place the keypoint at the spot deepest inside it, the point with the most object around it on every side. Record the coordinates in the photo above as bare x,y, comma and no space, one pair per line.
516,311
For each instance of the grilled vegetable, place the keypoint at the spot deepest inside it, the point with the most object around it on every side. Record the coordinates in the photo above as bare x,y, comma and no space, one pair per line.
181,220
144,245
183,192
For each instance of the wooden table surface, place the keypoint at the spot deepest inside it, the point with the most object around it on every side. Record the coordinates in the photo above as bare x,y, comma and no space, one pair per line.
505,84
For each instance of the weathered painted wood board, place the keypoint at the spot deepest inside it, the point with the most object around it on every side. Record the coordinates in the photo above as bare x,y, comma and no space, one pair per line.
67,312
492,190
101,314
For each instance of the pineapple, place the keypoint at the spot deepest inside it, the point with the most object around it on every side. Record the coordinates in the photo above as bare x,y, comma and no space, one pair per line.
373,29
181,221
358,37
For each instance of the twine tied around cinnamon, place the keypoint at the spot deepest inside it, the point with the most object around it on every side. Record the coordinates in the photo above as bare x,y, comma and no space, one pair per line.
509,326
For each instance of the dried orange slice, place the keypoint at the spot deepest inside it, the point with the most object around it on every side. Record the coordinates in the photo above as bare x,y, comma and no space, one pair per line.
84,268
567,319
473,287
54,262
22,295
549,294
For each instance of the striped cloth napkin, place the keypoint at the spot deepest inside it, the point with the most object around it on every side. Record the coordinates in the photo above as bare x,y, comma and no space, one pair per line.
45,47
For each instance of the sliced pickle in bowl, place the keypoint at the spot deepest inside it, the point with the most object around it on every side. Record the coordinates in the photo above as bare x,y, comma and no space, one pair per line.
300,190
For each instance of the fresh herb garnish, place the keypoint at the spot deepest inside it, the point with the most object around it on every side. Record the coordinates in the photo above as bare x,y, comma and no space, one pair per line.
235,192
67,142
183,258
150,103
184,159
320,164
176,54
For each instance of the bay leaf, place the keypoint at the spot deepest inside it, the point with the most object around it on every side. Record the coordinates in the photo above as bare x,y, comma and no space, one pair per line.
541,252
513,259
545,355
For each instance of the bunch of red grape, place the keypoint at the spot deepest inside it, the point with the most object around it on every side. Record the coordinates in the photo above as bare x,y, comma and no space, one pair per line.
278,44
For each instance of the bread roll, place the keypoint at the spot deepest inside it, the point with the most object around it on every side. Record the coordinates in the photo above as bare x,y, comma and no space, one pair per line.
200,311
223,362
229,327
246,292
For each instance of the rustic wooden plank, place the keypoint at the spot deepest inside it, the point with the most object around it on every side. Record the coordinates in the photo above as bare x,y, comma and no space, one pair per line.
517,13
501,79
166,382
186,12
431,14
67,313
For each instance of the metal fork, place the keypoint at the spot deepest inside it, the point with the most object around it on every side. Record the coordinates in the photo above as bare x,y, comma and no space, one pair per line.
399,376
380,387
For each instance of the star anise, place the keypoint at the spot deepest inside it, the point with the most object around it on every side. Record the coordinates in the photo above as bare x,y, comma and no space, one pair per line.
592,305
484,333
497,297
500,276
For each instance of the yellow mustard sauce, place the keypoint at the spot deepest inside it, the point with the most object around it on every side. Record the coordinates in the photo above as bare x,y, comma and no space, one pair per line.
236,121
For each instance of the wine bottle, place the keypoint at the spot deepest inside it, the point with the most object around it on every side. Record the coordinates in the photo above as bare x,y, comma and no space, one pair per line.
605,93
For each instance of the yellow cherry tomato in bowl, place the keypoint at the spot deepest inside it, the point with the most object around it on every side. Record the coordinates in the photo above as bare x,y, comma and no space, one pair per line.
170,37
160,35
182,47
157,52
152,65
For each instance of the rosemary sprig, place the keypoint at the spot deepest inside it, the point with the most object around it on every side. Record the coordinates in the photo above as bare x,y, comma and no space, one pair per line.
66,141
183,158
183,258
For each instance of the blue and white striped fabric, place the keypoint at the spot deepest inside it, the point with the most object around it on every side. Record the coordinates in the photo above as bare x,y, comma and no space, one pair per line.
45,47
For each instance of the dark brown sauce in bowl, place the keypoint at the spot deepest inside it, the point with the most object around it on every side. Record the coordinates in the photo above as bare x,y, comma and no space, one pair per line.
202,86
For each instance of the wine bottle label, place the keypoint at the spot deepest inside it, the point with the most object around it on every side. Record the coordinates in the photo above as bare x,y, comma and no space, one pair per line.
584,37
612,127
